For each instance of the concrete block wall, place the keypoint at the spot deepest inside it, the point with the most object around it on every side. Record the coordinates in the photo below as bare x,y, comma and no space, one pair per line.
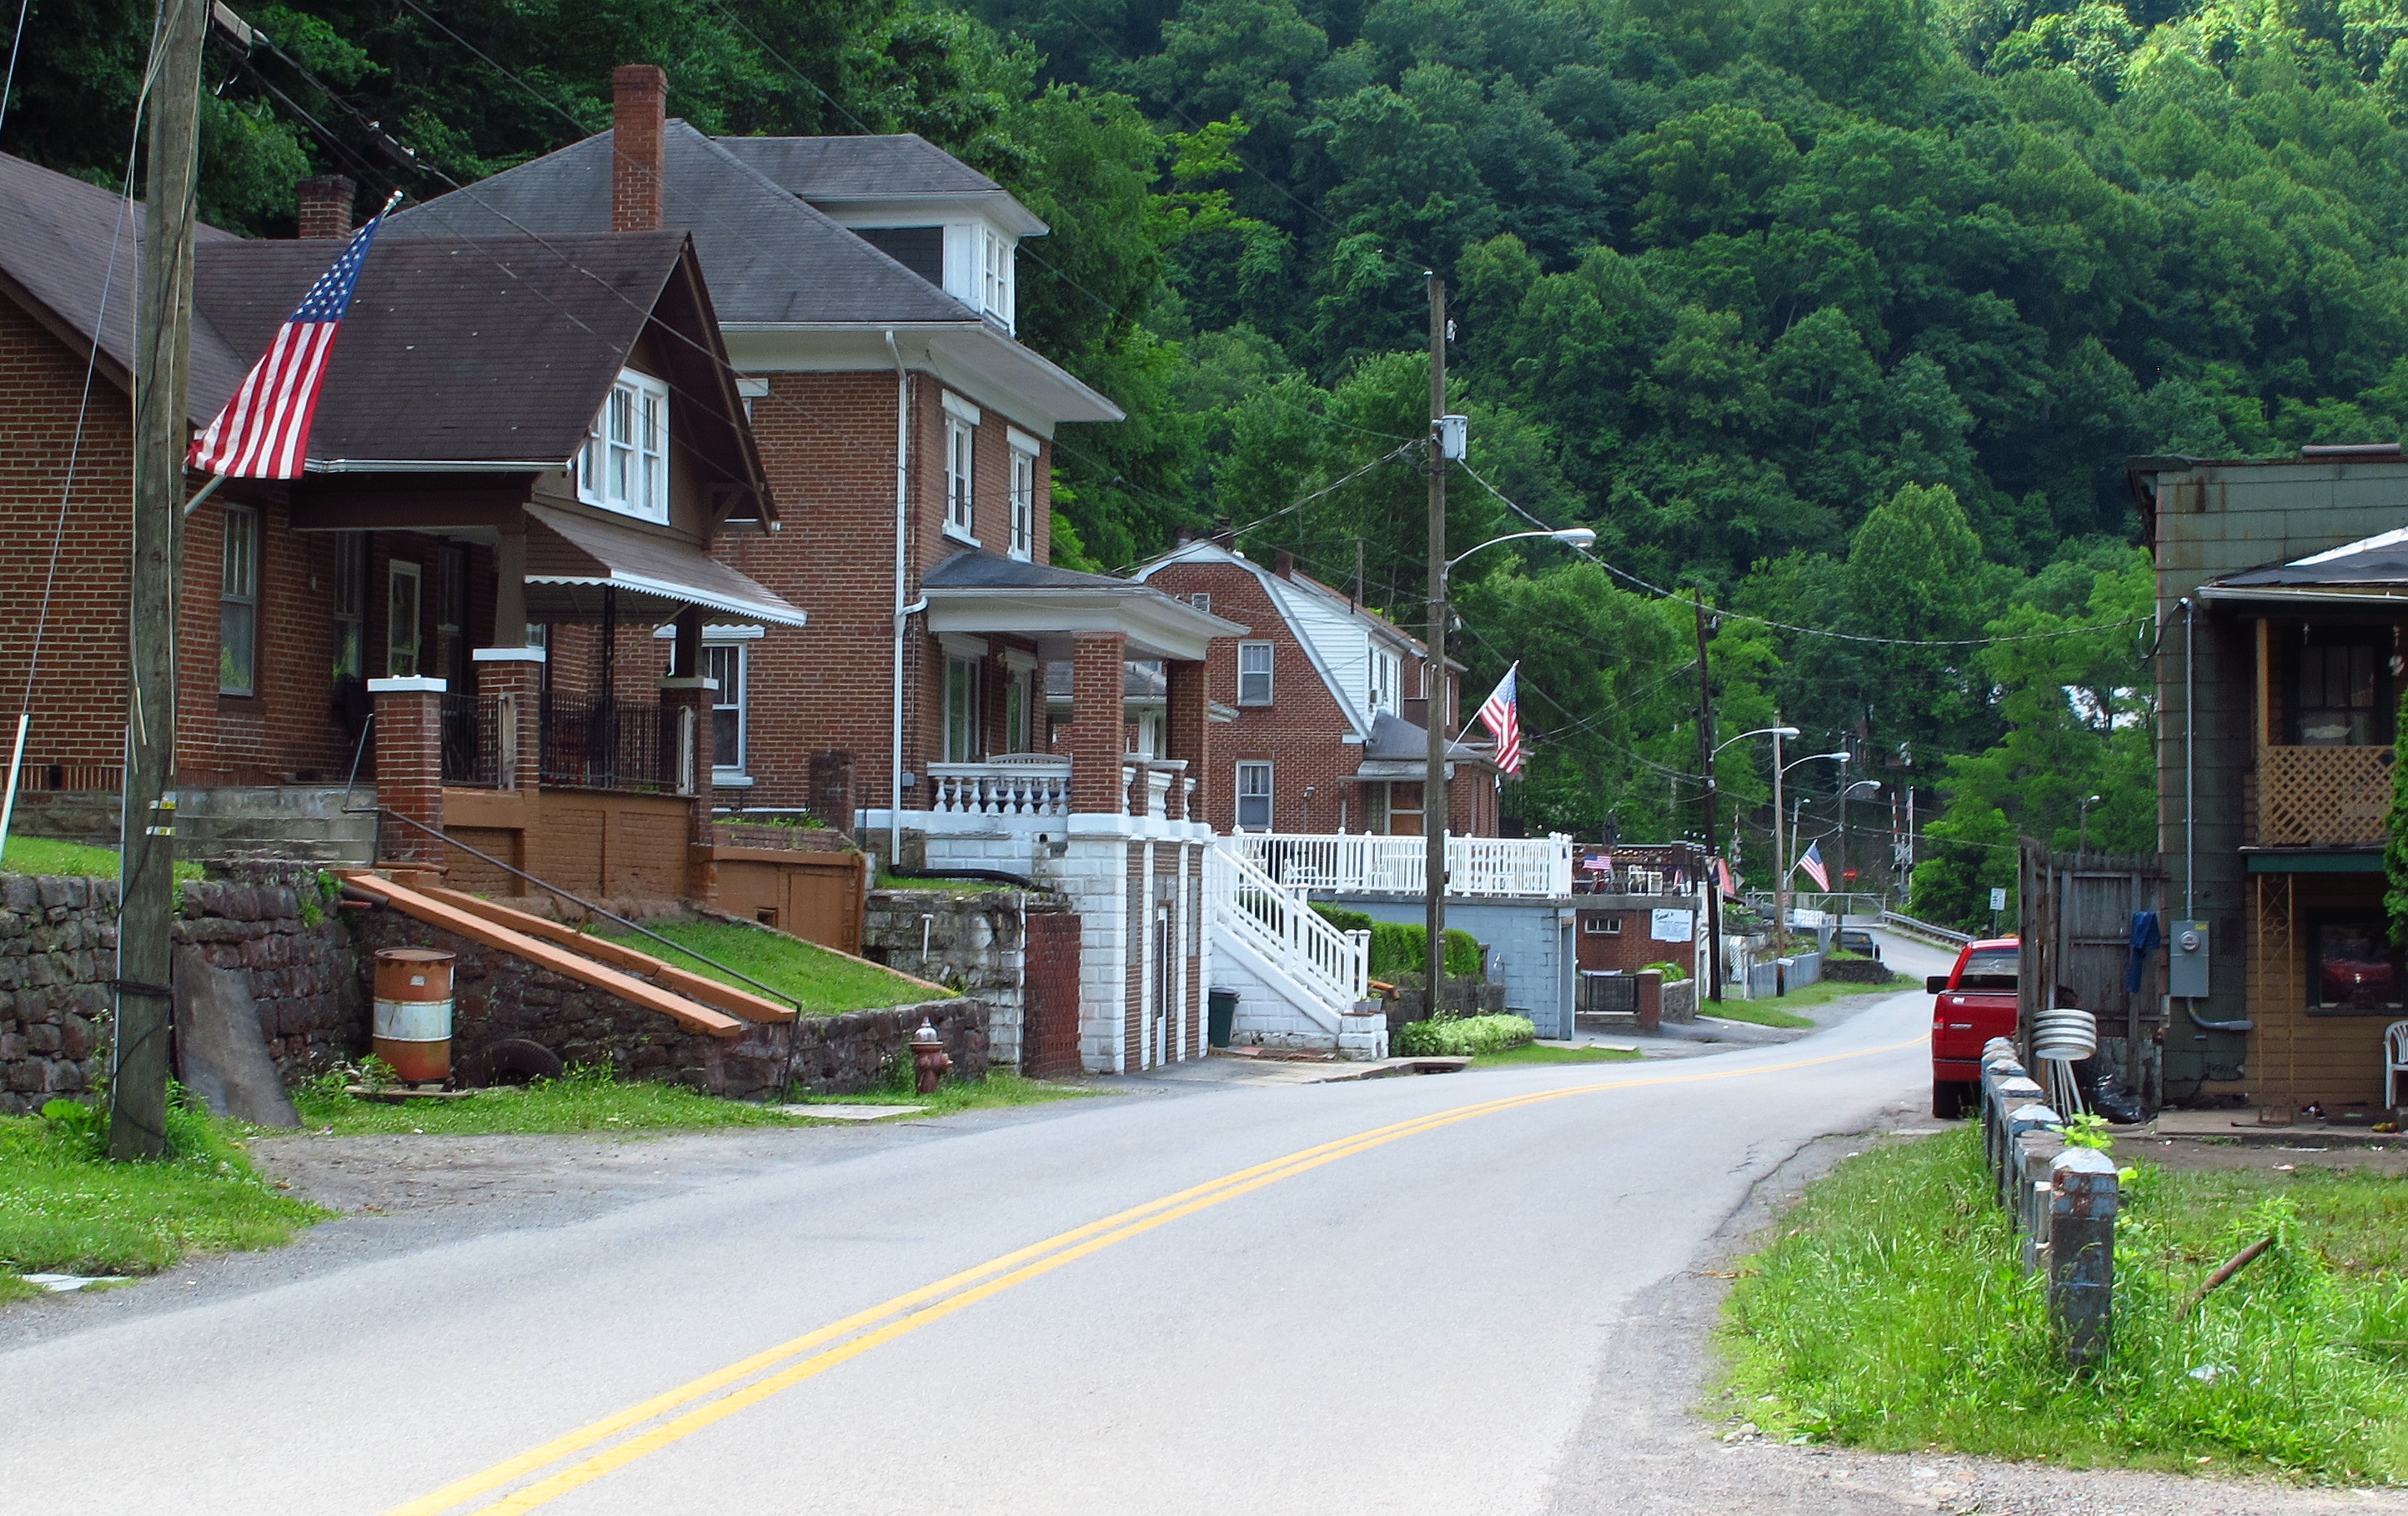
1529,943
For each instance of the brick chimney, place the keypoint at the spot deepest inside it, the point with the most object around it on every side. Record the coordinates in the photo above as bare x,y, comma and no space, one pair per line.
639,199
1283,563
326,205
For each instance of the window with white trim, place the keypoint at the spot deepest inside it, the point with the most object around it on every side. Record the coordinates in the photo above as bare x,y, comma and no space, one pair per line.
1386,674
238,604
961,711
1254,797
350,606
1024,496
1200,600
1254,673
725,663
960,442
1016,708
402,602
995,277
624,465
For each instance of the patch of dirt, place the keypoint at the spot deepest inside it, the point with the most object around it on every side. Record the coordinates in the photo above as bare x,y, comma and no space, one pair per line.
2188,1153
395,1173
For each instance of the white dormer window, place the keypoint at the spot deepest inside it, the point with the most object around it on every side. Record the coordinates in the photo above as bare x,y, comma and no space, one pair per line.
624,465
1023,493
995,272
1386,678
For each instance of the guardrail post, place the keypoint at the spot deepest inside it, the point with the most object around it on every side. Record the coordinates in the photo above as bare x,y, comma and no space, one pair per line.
2022,1118
2002,1095
2084,1195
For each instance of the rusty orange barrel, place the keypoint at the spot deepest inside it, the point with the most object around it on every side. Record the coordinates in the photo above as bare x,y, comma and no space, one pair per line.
412,1027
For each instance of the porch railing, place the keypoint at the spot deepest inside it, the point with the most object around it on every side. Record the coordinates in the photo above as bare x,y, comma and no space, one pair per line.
472,743
2330,795
1014,784
605,744
1371,864
1282,925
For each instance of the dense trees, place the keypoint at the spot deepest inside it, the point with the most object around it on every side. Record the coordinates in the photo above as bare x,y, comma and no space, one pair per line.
1842,313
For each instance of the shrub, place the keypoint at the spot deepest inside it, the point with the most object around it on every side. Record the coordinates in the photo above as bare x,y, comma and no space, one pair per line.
1463,1036
1400,948
1673,973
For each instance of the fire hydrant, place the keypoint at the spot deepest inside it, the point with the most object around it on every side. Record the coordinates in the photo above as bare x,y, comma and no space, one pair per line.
929,1056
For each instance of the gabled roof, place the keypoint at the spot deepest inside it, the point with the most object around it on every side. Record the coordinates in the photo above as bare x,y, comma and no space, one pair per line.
70,253
771,257
2370,568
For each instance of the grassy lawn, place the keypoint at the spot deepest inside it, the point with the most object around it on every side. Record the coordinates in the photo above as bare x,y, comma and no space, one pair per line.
1755,1012
1783,1010
888,881
1892,1316
64,1209
591,1101
48,856
1537,1053
827,983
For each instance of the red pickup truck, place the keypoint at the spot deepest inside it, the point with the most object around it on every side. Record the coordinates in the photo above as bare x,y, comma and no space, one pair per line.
1973,1002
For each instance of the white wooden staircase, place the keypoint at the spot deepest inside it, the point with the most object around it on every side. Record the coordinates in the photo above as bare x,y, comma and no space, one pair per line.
1299,980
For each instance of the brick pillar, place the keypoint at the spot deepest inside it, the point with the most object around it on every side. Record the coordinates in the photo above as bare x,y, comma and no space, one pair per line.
513,679
1190,734
1098,688
409,764
326,205
639,193
679,696
831,797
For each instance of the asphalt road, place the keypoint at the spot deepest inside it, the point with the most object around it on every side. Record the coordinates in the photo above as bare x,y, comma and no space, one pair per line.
1405,1294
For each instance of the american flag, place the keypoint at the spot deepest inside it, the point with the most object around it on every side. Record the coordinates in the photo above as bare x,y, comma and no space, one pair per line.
1501,714
263,431
1813,864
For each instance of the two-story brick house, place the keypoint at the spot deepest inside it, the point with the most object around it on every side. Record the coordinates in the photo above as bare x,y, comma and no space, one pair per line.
2282,587
1330,734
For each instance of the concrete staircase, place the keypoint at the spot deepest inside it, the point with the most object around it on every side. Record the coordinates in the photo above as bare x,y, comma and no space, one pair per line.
291,821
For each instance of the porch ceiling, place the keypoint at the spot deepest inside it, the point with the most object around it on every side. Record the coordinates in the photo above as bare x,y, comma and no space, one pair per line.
985,593
571,560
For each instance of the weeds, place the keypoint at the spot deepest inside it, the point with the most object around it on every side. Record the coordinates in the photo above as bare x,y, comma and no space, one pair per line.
1463,1036
1893,1316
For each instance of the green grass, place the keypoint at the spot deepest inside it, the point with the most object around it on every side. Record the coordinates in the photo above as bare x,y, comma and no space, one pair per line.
888,881
1782,1011
48,855
827,983
64,1209
1534,1052
589,1100
1892,1316
1755,1012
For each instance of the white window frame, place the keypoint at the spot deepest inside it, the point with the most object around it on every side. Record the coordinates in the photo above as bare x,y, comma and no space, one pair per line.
1386,674
961,472
624,465
1023,493
397,573
350,606
961,725
1259,773
1246,653
723,765
995,276
239,602
1202,601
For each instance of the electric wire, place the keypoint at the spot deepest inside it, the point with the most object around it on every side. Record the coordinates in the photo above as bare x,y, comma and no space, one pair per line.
16,47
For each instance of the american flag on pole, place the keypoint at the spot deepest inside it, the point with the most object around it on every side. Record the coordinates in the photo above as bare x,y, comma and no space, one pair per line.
1723,875
1813,864
263,431
1501,714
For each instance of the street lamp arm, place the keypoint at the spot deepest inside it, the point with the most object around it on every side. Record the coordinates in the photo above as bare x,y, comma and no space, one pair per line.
1761,731
1816,758
1575,536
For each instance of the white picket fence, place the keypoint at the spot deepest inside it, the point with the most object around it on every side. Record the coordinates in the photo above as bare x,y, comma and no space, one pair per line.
1278,923
1475,865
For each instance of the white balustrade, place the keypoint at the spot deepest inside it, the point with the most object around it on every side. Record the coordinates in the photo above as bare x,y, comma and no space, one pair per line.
1373,865
1278,923
1033,785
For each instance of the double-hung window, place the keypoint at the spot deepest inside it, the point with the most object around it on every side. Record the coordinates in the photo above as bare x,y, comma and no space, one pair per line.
1386,673
961,468
238,604
402,600
1254,797
994,270
961,709
624,465
1254,673
1024,494
725,663
350,606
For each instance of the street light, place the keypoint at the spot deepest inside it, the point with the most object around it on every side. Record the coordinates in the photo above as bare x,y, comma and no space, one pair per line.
1435,696
1779,847
1844,879
1713,850
2082,839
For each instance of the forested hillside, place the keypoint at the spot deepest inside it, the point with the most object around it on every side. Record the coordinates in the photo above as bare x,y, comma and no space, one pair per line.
1843,313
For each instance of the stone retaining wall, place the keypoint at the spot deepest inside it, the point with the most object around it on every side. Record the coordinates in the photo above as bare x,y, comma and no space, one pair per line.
275,922
972,940
58,949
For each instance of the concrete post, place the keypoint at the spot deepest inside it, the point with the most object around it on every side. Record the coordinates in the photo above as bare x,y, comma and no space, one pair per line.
2030,1116
409,764
512,679
2001,1096
1098,696
2085,1198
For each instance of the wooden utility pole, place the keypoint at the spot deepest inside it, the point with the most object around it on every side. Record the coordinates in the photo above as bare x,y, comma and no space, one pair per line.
138,1089
1435,684
1713,922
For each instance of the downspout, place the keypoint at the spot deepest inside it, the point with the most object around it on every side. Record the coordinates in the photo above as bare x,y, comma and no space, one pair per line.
902,609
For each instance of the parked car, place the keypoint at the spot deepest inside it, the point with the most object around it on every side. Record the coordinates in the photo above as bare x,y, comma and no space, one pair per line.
1856,939
1973,1002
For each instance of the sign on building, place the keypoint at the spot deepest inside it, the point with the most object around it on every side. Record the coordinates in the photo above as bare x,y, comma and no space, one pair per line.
1669,926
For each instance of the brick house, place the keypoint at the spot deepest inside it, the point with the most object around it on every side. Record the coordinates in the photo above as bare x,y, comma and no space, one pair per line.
1329,732
572,447
866,291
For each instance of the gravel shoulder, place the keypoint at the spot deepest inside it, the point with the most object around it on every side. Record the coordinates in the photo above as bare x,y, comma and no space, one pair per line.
1645,1449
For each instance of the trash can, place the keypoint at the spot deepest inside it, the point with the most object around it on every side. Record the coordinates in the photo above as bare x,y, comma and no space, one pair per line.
1222,1008
411,1029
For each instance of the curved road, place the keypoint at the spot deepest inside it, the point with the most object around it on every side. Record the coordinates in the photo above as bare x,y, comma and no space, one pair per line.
1395,1296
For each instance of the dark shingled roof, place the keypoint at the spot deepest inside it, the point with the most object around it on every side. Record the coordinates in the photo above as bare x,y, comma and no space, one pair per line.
56,236
2376,561
769,257
977,569
859,167
496,349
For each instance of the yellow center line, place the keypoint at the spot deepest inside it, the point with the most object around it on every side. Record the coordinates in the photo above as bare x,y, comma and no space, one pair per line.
933,1302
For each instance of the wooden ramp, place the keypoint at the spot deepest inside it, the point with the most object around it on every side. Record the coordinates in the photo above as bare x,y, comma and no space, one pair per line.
696,1003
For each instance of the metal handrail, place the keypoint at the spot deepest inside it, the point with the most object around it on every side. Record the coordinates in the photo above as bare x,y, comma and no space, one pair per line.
450,841
1944,936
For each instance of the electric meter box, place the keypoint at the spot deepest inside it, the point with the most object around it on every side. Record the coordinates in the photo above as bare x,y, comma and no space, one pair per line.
2186,961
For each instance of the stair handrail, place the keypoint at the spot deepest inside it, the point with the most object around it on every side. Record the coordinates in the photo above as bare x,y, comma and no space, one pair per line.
1334,961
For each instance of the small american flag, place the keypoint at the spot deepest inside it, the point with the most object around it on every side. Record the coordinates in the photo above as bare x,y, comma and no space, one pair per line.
263,431
1501,714
1813,864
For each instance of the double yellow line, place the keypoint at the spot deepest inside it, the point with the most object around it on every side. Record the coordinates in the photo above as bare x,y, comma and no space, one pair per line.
751,1380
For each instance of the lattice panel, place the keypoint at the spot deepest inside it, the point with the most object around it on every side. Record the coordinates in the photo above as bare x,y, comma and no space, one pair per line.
2322,795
